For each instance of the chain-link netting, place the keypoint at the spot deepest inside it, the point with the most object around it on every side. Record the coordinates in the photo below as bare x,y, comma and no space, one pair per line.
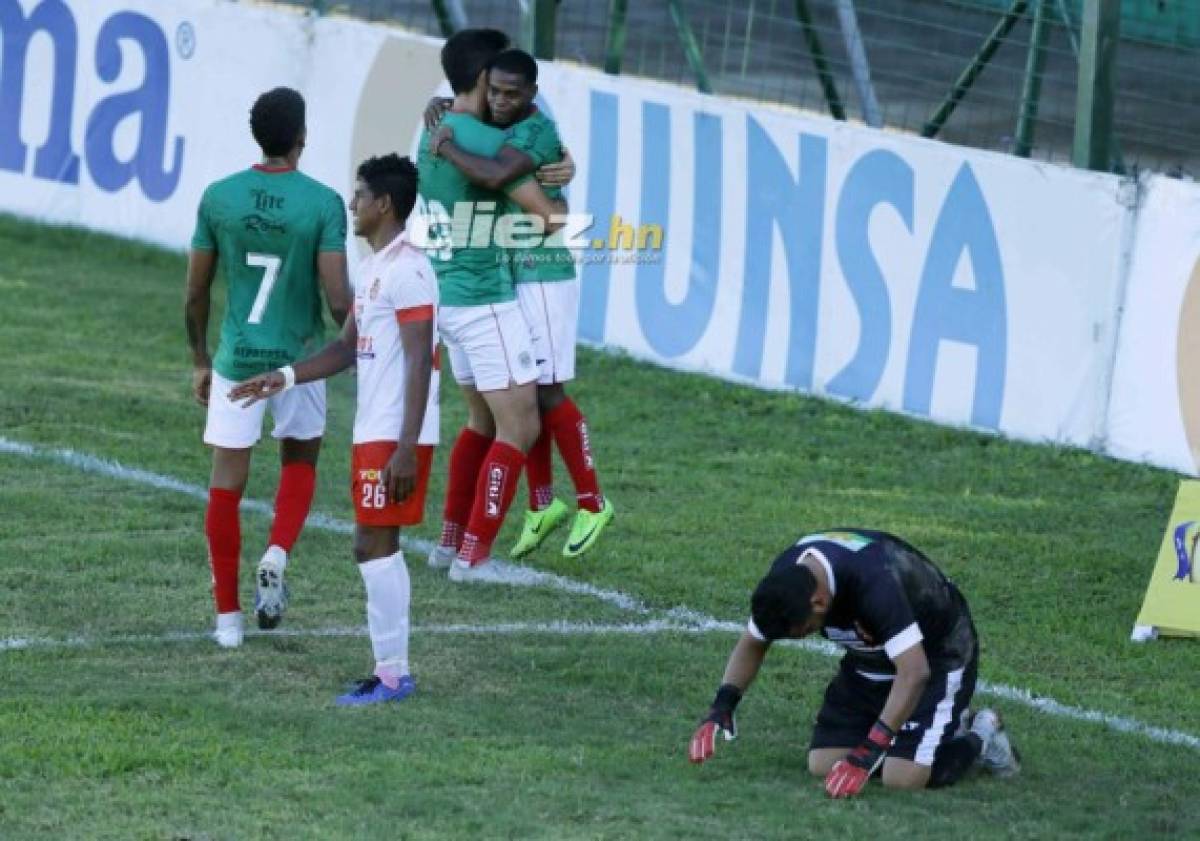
994,74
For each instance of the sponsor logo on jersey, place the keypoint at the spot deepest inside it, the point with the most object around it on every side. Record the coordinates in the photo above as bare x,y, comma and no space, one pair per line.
845,539
366,347
370,475
374,289
497,473
850,638
257,223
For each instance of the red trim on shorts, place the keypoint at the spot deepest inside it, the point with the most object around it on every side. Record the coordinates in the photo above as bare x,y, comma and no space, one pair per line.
503,346
424,312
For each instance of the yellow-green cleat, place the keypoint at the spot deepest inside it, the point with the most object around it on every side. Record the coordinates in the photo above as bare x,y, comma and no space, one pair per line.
538,525
586,529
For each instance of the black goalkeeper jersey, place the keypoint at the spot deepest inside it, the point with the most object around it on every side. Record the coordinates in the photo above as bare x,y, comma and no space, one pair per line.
887,597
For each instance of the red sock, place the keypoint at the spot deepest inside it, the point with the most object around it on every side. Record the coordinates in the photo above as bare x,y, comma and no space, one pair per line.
539,472
297,481
224,533
570,430
493,495
466,456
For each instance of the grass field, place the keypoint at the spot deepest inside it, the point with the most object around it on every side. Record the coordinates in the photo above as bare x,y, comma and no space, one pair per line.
520,730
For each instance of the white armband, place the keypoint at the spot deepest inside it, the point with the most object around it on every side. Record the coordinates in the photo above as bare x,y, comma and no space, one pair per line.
289,376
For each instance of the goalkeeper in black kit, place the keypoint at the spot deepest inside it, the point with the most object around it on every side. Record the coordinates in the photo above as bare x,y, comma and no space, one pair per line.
898,703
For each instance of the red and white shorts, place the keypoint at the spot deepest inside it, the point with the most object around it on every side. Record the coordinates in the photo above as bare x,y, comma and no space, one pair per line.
371,505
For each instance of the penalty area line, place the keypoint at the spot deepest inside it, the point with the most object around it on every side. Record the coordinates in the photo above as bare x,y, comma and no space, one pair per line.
679,619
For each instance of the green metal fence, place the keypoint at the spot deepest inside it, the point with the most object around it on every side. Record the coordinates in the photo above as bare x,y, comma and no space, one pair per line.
994,74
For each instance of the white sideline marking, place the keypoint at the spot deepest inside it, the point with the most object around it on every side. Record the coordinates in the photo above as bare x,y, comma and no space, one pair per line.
558,628
677,619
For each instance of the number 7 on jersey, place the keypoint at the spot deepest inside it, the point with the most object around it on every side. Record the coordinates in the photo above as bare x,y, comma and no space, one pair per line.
270,265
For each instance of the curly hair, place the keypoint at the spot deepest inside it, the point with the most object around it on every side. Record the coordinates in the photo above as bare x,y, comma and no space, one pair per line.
392,176
277,121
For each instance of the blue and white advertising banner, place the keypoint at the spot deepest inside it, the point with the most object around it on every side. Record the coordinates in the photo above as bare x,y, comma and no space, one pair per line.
962,286
1155,409
116,114
750,242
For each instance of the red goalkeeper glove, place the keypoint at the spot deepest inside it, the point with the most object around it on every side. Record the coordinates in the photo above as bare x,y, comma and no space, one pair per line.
719,719
849,775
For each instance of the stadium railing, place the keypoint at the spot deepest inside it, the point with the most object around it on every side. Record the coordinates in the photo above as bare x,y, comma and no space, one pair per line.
993,74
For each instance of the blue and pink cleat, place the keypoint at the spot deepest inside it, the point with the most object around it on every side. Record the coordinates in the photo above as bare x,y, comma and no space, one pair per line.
373,690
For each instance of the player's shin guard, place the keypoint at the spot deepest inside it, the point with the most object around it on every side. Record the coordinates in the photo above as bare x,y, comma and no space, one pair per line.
297,481
493,495
954,759
539,472
387,584
570,430
466,457
223,530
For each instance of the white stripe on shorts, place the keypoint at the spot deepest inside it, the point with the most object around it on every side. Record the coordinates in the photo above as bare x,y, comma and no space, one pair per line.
943,716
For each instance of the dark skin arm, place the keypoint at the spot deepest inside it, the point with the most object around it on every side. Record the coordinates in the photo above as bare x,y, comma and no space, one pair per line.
744,661
332,359
529,196
400,473
335,282
912,673
202,268
489,173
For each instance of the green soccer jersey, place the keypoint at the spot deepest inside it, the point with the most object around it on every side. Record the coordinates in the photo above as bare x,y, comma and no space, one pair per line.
537,136
471,269
267,227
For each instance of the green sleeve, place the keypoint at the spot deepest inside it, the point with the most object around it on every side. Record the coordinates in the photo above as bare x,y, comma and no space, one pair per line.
537,139
333,224
204,238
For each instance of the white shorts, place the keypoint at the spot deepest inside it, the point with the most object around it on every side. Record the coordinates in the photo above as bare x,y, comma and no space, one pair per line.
489,345
552,311
299,413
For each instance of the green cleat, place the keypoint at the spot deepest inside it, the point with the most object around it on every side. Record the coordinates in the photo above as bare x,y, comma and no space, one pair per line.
586,529
538,525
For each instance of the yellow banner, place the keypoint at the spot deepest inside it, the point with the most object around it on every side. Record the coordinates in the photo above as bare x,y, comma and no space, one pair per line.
1172,602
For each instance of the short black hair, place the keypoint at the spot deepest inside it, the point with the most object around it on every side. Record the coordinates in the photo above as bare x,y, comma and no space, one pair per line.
392,176
783,600
277,120
467,53
517,62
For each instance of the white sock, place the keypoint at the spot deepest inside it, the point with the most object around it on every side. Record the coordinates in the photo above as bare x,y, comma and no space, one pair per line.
278,555
386,580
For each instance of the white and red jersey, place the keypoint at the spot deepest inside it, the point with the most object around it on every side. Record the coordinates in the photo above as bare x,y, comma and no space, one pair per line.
394,285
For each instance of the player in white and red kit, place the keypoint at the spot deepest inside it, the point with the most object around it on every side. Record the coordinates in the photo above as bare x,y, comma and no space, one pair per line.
392,340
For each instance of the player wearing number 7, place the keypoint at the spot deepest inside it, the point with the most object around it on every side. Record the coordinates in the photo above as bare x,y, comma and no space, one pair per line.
899,701
392,340
280,239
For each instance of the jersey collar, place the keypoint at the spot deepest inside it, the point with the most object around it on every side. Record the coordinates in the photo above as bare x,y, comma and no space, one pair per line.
820,556
398,243
273,170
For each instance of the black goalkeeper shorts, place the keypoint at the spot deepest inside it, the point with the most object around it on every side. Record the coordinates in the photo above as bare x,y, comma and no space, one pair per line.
853,704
